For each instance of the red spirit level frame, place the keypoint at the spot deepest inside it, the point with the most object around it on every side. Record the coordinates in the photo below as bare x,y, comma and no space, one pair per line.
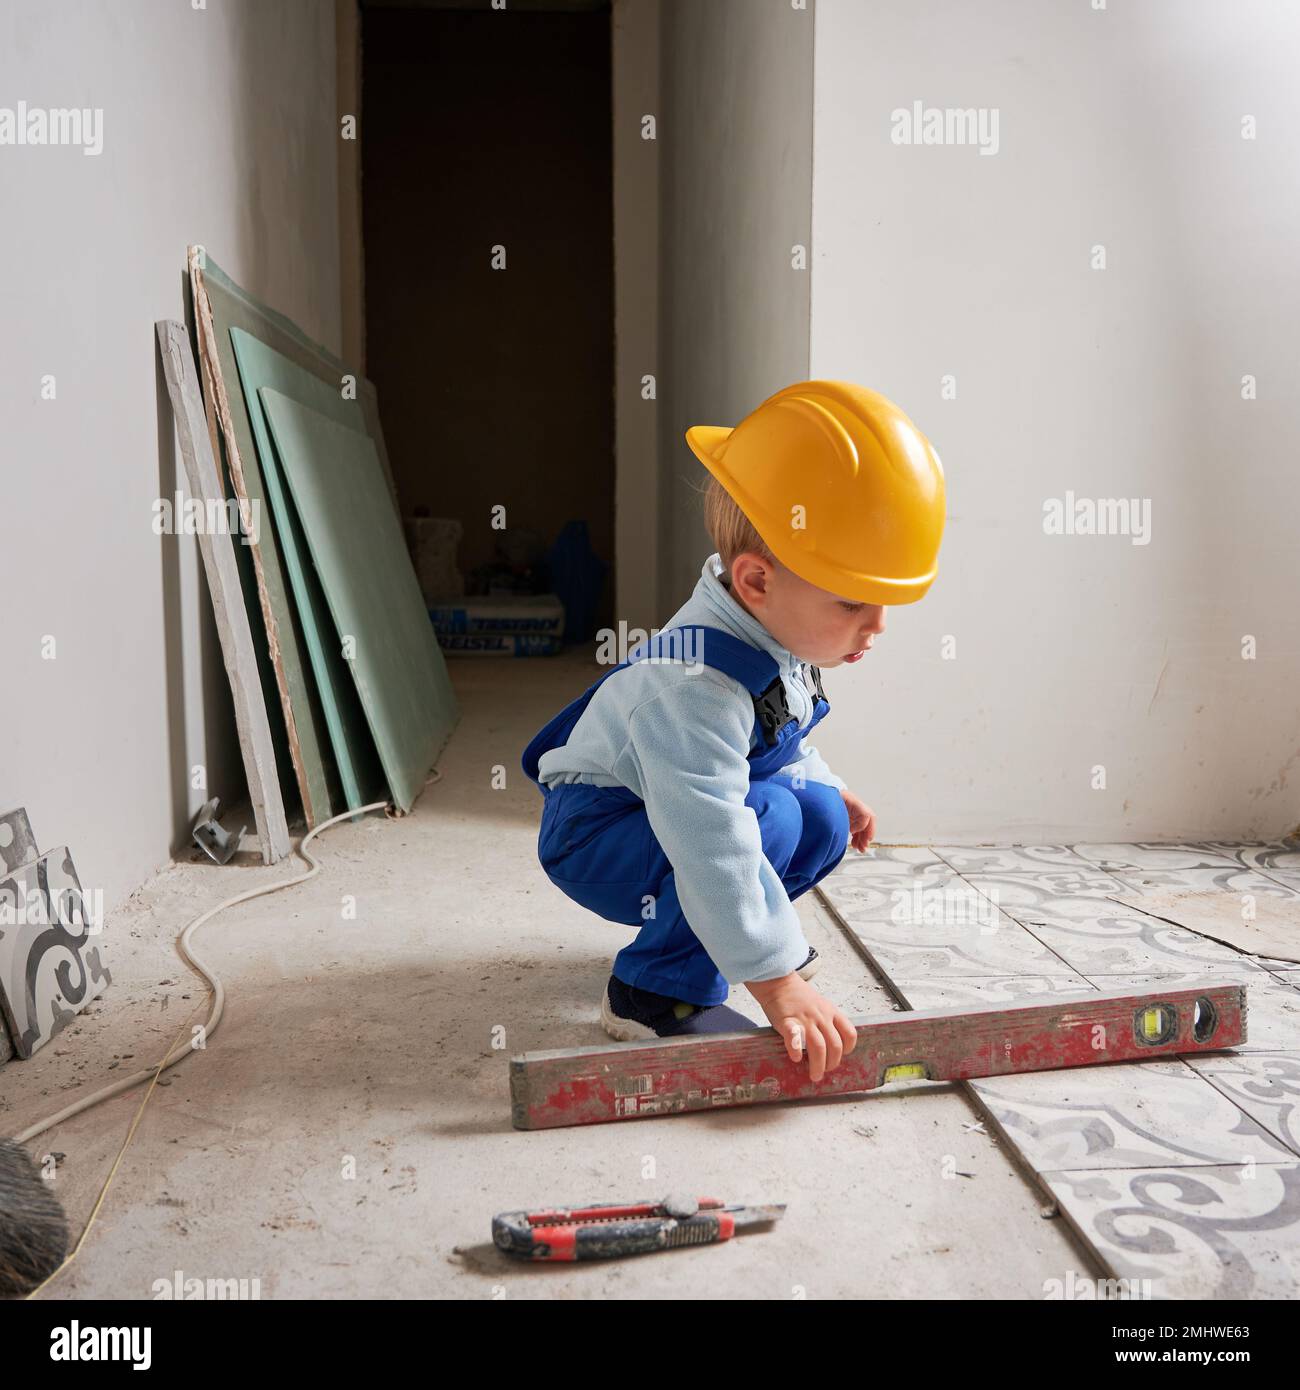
669,1076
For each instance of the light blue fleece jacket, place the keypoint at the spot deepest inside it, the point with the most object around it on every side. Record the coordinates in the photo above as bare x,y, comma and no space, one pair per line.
678,735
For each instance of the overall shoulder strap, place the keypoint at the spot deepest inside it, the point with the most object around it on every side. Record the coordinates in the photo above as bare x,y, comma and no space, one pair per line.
556,732
694,642
756,670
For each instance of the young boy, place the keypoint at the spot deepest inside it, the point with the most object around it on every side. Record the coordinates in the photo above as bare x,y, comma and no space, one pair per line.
680,793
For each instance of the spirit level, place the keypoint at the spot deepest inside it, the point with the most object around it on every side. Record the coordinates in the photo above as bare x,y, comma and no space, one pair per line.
669,1076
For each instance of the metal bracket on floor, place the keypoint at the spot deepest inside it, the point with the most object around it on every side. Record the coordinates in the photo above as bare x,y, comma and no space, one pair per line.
212,838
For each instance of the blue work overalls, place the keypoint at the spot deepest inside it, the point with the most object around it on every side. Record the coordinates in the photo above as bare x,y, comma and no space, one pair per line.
596,844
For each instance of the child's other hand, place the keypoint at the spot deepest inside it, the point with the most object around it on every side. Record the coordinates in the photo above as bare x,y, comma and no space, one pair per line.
806,1020
862,822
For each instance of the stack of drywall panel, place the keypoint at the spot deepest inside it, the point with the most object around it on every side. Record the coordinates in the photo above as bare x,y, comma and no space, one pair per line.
351,681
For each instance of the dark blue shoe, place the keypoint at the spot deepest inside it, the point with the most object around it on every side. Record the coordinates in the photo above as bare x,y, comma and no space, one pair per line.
629,1015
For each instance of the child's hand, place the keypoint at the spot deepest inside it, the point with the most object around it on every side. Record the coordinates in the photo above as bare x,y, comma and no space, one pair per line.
806,1019
862,822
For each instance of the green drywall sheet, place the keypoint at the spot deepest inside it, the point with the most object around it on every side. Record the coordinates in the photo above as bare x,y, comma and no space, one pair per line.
285,335
360,775
360,553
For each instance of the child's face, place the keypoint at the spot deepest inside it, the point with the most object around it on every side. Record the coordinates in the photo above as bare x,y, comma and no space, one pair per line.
817,626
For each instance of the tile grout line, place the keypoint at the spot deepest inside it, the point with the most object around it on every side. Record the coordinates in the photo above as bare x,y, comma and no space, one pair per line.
1208,1077
968,1089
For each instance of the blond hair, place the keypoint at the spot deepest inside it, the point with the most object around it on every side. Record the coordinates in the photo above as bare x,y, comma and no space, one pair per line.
729,528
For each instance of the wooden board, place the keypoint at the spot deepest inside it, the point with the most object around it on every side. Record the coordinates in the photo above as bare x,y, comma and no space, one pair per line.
360,553
233,628
220,305
670,1076
1273,931
279,656
355,758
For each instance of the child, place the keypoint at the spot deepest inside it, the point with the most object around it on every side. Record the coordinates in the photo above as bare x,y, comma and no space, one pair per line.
680,794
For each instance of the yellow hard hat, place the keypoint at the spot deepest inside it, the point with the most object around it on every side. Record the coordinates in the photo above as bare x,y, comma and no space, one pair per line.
840,484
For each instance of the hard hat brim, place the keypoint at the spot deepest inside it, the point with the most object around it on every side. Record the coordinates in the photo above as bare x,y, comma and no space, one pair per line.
704,441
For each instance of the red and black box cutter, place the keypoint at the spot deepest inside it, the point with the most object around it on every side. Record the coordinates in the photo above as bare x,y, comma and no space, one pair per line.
565,1234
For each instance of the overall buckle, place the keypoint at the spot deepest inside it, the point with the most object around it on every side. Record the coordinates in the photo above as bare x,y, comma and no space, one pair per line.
772,710
817,680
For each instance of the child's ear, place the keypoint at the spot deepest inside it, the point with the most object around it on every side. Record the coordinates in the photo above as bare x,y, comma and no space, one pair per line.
755,572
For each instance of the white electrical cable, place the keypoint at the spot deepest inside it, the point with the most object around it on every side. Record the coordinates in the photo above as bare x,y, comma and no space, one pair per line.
188,954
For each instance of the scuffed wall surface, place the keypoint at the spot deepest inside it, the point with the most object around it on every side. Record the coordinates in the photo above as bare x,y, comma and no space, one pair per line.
1077,657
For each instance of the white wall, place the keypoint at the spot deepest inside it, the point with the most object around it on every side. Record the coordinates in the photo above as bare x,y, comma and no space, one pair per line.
1119,127
634,45
218,127
736,187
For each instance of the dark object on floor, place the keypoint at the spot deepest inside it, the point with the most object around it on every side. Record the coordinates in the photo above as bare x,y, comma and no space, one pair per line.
33,1229
517,566
577,576
606,1232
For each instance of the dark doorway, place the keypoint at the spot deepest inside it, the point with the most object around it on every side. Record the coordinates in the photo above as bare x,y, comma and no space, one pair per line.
482,129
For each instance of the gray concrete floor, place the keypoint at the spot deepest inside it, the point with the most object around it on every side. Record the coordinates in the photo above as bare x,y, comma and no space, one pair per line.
346,1133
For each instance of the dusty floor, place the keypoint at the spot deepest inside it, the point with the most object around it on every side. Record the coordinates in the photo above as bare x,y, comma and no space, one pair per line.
346,1133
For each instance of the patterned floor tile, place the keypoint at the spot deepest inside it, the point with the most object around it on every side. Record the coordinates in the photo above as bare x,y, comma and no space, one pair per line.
1116,857
1277,857
896,861
926,992
1254,926
1266,1085
929,893
1097,936
953,950
1215,1232
1176,1172
1008,859
1122,1115
1028,889
1227,878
